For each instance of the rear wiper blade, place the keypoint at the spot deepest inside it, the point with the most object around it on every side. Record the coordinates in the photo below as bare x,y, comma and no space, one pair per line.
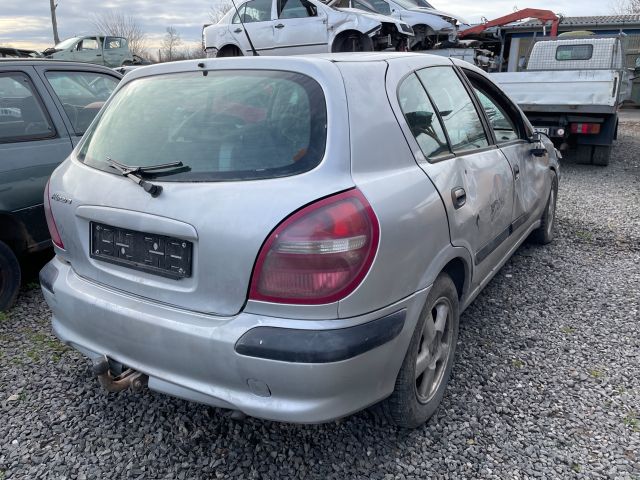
131,173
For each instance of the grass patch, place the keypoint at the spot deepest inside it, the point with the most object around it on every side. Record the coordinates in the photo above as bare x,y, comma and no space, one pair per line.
581,234
43,344
33,285
517,363
630,420
576,467
4,316
596,373
568,330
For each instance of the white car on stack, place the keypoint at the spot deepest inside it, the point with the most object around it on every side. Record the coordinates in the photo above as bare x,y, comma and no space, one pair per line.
291,27
430,26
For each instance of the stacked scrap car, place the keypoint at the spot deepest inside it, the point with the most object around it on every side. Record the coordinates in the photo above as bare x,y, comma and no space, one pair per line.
429,26
289,27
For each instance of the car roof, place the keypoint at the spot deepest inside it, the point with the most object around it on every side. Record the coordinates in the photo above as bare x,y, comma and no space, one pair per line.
4,62
280,62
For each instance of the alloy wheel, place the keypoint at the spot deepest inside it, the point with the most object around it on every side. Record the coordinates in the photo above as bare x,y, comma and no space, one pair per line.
435,346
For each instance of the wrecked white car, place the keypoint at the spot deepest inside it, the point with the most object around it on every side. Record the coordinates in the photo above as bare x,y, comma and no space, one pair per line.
291,27
429,26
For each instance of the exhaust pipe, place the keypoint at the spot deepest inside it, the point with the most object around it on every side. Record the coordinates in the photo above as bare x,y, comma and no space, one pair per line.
127,379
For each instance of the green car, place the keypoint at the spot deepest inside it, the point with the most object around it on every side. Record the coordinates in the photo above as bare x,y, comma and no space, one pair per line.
99,49
45,107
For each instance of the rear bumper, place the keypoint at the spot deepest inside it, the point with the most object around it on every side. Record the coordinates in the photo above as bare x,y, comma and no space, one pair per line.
303,371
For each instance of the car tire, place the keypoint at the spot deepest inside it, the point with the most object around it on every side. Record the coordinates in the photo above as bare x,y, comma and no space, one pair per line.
10,277
601,155
545,233
416,397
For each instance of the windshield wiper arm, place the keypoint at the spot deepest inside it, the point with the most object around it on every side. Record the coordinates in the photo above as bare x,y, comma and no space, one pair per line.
130,172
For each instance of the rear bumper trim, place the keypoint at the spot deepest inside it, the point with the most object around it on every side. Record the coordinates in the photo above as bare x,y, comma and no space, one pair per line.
319,346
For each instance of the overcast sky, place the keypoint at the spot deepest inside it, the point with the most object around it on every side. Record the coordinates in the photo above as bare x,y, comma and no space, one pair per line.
28,23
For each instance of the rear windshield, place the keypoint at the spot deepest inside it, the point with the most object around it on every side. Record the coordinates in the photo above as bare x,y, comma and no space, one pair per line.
574,52
225,125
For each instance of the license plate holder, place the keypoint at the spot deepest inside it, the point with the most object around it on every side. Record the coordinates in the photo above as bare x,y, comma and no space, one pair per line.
146,252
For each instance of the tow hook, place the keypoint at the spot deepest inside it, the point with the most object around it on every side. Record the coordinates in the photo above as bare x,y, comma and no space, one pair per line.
127,379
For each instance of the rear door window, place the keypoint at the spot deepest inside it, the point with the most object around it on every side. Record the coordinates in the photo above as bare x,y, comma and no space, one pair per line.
422,118
114,42
461,119
82,94
233,125
22,116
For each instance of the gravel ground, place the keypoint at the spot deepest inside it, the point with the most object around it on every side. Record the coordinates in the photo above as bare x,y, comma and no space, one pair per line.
546,382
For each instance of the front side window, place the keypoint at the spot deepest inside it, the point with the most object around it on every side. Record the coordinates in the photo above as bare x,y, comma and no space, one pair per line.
381,6
461,120
21,114
254,11
89,44
233,125
421,118
296,9
82,94
502,125
574,52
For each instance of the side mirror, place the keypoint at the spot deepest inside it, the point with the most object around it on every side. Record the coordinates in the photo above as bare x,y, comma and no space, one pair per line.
539,150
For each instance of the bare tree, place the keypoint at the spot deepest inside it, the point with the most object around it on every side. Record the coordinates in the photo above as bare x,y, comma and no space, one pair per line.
54,21
121,25
190,51
170,44
626,7
218,10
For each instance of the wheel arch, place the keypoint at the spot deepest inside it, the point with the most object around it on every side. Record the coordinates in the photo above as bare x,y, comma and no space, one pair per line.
230,46
342,32
14,233
455,262
458,271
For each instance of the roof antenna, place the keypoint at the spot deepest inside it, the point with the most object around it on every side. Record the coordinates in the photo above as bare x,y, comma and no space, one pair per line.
253,49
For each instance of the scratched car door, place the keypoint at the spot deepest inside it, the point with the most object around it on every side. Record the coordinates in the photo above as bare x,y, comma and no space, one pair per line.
473,178
511,134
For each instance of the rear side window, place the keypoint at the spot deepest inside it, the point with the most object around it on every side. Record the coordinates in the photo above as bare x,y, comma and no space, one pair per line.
82,94
421,118
232,125
22,117
461,119
574,52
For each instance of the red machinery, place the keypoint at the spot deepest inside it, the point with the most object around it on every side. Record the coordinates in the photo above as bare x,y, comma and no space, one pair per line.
542,15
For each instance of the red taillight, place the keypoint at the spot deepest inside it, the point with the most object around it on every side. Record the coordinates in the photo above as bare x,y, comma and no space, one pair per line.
51,223
588,128
319,254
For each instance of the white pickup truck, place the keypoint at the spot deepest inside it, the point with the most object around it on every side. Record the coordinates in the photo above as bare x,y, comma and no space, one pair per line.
571,91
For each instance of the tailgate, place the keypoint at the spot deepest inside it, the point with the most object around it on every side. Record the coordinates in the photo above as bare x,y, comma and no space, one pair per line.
570,88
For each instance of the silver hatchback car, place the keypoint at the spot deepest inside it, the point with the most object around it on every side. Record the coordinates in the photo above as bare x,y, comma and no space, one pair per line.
293,238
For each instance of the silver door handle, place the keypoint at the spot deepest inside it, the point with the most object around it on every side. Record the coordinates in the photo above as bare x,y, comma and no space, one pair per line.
516,171
237,30
280,25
